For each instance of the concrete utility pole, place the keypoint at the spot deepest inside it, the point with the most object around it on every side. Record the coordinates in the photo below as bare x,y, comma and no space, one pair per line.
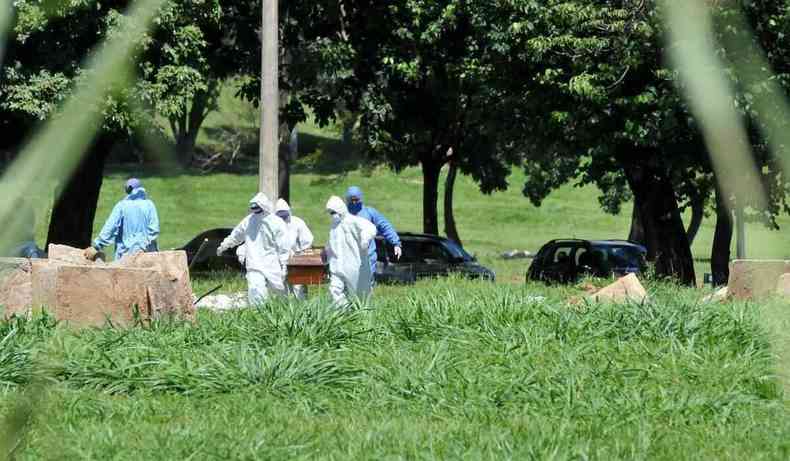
270,102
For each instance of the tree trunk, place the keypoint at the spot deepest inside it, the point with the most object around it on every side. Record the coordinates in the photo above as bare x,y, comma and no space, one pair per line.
186,128
72,217
449,218
185,147
665,235
697,213
430,196
637,232
722,241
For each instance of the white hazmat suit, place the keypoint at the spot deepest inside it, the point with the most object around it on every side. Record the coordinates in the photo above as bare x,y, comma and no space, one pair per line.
299,236
264,236
299,239
347,253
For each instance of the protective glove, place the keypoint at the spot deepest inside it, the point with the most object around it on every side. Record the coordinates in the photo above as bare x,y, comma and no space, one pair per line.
90,253
398,251
220,249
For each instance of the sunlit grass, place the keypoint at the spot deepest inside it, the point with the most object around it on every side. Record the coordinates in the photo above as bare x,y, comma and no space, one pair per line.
712,98
448,369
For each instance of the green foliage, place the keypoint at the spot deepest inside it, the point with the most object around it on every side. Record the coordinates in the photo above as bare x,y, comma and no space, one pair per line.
182,60
590,81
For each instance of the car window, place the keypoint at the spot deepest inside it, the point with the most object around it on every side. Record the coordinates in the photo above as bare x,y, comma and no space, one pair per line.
456,251
560,255
582,257
433,252
624,256
410,252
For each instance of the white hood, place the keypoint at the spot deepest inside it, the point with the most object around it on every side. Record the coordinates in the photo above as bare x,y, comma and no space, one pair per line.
337,205
263,202
282,205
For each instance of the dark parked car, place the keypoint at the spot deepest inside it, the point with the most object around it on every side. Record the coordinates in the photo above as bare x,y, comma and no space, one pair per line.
566,261
206,258
426,255
423,256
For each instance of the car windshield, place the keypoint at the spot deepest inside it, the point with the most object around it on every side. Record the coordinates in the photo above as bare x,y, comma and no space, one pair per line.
457,252
623,256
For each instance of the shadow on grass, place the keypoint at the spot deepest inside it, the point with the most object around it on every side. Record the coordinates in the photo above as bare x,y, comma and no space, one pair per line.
320,155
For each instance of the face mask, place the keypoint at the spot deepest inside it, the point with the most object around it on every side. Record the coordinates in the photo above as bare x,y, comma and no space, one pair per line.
336,218
355,208
284,215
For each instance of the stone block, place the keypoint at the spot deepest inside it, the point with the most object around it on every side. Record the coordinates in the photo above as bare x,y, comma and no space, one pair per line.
624,289
16,286
44,277
173,294
90,296
69,255
755,278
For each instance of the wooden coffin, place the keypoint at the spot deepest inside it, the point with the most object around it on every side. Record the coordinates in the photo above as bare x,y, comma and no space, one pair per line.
306,268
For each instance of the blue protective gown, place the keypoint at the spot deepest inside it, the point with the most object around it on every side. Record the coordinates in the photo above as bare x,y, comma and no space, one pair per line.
133,226
383,228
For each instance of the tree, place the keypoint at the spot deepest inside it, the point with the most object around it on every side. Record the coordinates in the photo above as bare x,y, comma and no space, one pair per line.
47,46
411,71
595,104
591,93
186,59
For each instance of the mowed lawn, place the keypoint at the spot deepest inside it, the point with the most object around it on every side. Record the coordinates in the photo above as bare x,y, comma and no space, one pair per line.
488,224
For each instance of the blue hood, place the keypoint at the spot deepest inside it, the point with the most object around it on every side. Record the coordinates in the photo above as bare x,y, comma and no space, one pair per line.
354,191
137,194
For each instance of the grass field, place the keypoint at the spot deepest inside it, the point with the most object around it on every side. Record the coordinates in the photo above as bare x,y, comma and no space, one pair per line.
452,369
444,369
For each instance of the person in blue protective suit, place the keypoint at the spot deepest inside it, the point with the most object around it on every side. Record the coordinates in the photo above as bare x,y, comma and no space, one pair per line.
354,202
133,225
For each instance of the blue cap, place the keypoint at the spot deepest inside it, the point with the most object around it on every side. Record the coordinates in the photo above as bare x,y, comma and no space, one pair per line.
133,183
354,191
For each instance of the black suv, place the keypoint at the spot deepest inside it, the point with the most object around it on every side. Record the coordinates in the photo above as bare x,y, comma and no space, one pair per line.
426,255
566,261
423,256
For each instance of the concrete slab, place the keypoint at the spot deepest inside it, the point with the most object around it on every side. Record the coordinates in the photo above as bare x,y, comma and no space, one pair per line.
755,278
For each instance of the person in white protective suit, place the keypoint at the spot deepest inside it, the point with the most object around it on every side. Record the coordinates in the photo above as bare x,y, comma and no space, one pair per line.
299,239
347,253
299,236
265,238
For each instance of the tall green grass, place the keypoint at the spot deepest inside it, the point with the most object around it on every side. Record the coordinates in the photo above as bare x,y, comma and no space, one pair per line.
449,369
